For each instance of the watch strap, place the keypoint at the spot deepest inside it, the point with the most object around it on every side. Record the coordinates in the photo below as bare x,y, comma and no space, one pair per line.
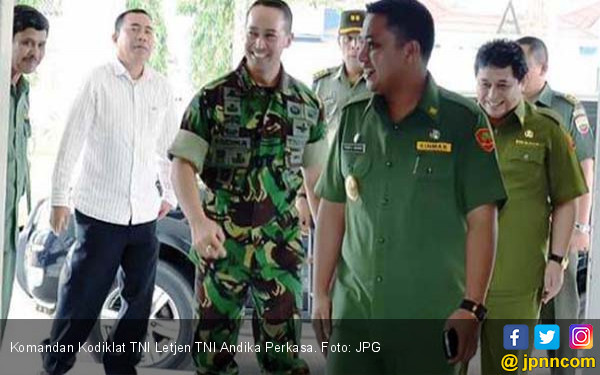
477,309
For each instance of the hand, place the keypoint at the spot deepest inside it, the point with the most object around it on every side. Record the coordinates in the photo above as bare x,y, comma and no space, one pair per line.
165,208
553,280
304,215
208,239
321,319
580,241
59,219
467,329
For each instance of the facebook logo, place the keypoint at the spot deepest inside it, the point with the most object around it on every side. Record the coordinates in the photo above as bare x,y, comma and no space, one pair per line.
516,337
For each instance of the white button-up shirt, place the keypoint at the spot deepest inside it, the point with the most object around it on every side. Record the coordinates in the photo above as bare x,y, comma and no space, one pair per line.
122,129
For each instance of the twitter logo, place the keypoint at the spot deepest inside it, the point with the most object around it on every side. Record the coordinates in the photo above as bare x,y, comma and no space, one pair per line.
547,336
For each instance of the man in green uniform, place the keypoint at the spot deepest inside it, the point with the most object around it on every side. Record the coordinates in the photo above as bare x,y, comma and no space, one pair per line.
408,209
535,89
542,179
255,136
30,31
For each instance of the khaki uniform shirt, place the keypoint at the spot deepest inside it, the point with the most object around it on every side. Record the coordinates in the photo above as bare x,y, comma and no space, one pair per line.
408,187
335,90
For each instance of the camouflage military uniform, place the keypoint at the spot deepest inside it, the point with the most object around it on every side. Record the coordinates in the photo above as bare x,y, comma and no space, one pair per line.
248,143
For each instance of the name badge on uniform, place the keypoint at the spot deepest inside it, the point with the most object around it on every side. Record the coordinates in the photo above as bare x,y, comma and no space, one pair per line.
354,148
443,147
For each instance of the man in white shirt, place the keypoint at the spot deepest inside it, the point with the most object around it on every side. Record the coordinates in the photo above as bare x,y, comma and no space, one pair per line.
121,124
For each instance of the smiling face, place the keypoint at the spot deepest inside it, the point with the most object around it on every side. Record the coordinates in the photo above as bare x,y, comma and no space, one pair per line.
384,59
28,50
135,39
267,36
498,91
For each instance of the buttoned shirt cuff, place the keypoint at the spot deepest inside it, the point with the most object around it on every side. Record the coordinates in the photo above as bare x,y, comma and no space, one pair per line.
190,147
59,199
315,153
170,197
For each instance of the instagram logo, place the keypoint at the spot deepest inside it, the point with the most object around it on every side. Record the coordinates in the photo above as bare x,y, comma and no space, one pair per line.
581,336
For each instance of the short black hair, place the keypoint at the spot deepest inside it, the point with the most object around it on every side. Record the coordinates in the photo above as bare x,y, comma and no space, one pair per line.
501,53
408,20
537,48
26,17
121,17
277,4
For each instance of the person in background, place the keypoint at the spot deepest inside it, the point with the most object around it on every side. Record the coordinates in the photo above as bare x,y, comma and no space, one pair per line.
565,307
30,33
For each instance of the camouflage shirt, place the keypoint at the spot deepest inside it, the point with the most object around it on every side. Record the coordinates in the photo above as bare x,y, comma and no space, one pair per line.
248,144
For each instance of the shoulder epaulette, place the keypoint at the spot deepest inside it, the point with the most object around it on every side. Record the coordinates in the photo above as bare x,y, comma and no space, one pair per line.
366,95
568,97
549,113
324,73
459,99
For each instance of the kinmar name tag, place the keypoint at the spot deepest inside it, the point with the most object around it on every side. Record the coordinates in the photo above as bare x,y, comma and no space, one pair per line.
357,148
434,146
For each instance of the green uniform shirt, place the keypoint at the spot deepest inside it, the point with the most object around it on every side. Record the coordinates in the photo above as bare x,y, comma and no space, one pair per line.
573,118
540,171
249,143
403,251
335,90
19,131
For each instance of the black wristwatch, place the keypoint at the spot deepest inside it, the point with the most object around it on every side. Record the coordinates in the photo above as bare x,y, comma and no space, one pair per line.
477,309
563,261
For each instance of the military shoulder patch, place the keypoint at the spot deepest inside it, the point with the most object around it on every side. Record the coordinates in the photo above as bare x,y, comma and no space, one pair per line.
324,73
484,138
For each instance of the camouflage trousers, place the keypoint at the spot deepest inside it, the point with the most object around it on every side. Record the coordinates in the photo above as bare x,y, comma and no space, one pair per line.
268,266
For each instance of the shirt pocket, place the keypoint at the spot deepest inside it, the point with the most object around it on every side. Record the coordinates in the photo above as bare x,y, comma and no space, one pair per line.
294,151
355,164
525,163
430,167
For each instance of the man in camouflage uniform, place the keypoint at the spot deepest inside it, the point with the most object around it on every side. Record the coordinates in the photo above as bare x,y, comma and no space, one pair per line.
30,31
254,136
575,121
336,85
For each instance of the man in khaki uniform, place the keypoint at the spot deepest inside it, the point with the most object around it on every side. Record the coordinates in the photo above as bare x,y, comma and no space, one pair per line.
30,31
573,116
336,85
408,210
542,178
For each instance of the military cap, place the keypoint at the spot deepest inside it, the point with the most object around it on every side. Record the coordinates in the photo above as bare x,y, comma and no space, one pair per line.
351,21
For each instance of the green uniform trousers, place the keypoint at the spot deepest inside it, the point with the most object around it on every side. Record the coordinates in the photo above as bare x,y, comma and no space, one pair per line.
506,308
271,272
563,310
8,267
